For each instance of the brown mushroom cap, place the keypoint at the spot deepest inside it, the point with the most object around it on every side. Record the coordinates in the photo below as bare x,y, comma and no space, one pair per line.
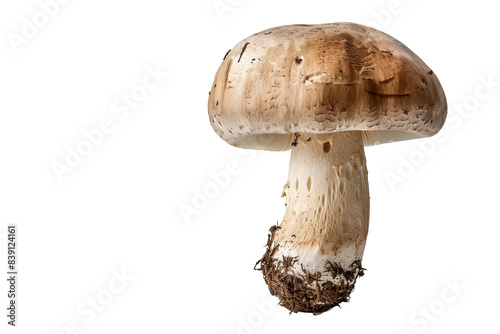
323,79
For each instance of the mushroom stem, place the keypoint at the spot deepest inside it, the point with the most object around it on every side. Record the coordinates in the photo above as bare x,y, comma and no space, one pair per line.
327,200
314,256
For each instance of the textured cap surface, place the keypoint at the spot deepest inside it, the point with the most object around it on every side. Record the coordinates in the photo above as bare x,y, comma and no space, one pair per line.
323,79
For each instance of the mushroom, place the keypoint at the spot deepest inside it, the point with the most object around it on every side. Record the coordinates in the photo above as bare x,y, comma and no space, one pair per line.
323,91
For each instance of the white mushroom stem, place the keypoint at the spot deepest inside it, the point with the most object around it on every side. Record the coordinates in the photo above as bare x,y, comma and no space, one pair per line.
327,202
314,257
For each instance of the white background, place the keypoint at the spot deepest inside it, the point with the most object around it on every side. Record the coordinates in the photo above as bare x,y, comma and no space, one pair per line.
119,209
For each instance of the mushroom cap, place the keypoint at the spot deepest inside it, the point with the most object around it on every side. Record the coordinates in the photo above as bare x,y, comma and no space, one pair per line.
319,79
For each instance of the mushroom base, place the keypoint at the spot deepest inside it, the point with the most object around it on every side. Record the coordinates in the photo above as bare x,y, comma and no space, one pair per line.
306,291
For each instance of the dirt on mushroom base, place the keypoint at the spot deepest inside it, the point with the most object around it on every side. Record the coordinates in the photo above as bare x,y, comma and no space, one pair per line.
306,292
